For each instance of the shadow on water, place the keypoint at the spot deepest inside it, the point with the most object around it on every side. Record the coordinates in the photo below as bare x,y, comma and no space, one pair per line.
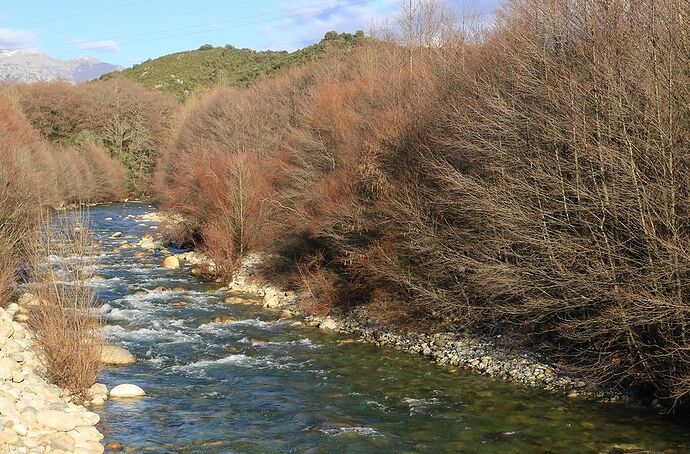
260,384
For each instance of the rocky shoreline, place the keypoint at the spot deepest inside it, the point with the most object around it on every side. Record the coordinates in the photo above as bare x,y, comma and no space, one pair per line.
451,350
37,416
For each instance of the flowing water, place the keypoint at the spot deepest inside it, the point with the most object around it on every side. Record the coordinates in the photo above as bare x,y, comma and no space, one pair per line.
211,389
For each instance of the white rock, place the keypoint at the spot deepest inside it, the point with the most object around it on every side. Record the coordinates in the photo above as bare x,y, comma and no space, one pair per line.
82,434
62,441
89,447
8,436
57,420
114,355
7,406
91,418
127,390
28,415
21,429
6,329
98,389
19,331
28,299
329,324
7,367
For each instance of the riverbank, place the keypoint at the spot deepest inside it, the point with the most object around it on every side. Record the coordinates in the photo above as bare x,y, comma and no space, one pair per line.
37,416
486,356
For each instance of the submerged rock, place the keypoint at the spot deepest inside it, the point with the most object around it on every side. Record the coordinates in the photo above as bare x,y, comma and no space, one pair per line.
147,242
126,391
113,355
238,300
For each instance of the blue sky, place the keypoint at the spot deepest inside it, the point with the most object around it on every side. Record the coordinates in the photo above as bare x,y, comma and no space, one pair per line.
129,31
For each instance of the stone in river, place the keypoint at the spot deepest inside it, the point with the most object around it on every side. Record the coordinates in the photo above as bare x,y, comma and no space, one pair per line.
238,300
116,356
171,263
127,390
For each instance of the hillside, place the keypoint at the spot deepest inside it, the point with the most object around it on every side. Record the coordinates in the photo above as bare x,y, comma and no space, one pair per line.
182,73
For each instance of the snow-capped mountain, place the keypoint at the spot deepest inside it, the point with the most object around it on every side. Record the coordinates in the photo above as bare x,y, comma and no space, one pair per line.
29,66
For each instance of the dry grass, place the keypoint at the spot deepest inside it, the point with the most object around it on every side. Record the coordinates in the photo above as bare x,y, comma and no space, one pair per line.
65,322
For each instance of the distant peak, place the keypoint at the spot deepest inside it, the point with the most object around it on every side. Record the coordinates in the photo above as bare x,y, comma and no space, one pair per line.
12,52
86,59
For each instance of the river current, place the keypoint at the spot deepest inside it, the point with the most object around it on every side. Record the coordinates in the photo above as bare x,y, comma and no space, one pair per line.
261,384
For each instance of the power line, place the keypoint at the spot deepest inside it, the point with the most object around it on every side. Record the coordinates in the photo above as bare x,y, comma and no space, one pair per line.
138,21
84,13
279,17
272,47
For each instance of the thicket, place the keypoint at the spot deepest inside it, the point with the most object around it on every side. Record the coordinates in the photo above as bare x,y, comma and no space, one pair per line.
531,180
63,317
129,121
35,174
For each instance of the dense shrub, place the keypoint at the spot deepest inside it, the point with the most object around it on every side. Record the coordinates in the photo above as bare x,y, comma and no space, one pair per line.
131,122
533,182
64,319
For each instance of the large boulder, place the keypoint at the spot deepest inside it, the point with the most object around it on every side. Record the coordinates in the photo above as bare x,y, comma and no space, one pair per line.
126,390
171,263
56,420
112,355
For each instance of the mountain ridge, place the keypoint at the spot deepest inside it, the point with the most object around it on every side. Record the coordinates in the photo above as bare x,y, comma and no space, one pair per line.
21,65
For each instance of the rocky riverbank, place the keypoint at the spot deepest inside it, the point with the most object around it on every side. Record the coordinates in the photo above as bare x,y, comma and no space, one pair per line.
37,416
456,351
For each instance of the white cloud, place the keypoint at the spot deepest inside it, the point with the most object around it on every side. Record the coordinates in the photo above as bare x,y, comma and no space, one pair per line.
310,24
104,45
12,38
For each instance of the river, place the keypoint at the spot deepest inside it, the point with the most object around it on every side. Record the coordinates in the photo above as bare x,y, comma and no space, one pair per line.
295,389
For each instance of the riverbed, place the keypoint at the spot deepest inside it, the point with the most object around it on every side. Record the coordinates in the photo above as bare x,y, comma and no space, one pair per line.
256,383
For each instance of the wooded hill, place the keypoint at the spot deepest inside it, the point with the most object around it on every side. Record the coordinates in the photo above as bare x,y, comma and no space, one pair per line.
185,72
